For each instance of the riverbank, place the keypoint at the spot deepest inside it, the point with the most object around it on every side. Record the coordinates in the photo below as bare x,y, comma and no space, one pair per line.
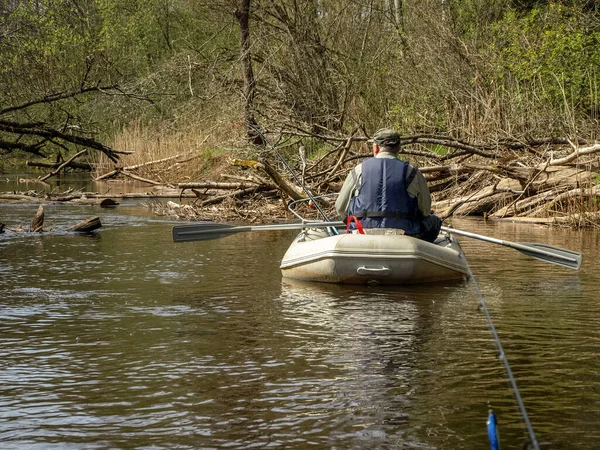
554,182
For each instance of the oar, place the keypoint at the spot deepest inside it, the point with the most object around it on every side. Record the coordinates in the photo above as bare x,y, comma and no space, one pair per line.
209,230
543,252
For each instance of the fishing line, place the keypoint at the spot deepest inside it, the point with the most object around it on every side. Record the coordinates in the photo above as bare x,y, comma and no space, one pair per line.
532,439
312,198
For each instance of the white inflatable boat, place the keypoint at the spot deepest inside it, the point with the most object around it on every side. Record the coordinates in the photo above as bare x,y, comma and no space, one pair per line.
372,259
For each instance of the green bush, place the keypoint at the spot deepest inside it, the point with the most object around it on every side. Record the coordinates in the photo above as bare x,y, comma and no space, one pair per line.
553,51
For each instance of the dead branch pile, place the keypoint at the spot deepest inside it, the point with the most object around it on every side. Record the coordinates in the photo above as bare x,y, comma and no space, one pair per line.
551,180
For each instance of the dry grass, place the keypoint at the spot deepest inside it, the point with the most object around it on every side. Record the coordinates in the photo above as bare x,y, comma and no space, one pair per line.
172,156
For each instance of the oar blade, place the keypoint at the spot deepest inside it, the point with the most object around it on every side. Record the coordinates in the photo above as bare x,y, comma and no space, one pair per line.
203,231
554,255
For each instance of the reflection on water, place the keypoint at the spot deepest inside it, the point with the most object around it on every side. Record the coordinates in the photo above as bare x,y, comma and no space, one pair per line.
126,340
78,181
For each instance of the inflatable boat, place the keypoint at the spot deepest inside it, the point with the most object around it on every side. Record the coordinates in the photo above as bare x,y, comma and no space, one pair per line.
315,255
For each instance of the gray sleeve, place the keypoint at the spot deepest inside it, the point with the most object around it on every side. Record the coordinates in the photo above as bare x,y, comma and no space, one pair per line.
418,189
346,193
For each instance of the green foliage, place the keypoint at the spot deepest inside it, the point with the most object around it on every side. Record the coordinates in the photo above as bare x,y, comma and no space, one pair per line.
467,68
54,46
439,149
555,50
40,41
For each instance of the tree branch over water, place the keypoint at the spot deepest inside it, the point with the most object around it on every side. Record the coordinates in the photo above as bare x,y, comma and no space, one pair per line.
34,137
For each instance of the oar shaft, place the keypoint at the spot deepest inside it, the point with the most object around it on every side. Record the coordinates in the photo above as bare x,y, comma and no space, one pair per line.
473,235
208,231
559,256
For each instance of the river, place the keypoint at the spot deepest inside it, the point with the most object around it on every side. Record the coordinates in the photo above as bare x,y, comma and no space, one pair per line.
124,339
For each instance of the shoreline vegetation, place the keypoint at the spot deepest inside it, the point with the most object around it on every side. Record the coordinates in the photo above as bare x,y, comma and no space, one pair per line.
512,180
498,104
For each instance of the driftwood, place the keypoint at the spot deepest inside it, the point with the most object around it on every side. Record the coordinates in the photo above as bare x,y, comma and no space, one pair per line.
37,223
87,225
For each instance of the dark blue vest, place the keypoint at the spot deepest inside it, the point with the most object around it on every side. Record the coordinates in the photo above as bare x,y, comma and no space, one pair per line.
383,200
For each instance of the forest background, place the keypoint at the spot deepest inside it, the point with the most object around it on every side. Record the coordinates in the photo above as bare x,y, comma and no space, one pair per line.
136,81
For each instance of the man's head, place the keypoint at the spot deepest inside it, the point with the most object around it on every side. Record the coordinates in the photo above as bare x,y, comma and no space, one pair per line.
386,140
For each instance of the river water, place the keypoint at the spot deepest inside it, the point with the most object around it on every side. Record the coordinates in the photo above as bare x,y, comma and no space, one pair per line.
124,339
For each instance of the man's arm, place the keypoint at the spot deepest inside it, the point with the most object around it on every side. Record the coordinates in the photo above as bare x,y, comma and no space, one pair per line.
343,200
418,189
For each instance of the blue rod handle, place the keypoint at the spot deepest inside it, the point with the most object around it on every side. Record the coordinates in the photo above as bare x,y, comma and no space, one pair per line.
492,429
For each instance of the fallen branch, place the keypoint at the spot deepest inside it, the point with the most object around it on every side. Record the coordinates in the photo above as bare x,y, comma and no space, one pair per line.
217,185
150,163
110,174
571,194
332,172
63,165
576,154
138,178
526,204
235,194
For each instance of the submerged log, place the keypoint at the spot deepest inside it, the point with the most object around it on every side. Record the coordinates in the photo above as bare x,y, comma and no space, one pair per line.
87,225
73,165
108,203
37,223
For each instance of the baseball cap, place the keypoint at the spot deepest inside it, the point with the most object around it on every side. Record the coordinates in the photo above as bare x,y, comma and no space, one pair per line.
386,137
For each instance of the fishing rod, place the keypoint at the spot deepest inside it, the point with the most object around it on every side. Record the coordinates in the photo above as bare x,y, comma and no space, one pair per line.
312,198
492,419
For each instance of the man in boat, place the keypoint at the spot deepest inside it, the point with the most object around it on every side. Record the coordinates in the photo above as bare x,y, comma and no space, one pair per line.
386,192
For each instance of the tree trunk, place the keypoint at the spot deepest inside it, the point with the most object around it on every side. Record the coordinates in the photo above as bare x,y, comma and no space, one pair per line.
243,16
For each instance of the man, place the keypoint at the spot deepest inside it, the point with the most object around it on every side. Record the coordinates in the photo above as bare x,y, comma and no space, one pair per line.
386,192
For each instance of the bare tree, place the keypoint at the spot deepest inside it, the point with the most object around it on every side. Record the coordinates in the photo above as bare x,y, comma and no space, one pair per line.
242,14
